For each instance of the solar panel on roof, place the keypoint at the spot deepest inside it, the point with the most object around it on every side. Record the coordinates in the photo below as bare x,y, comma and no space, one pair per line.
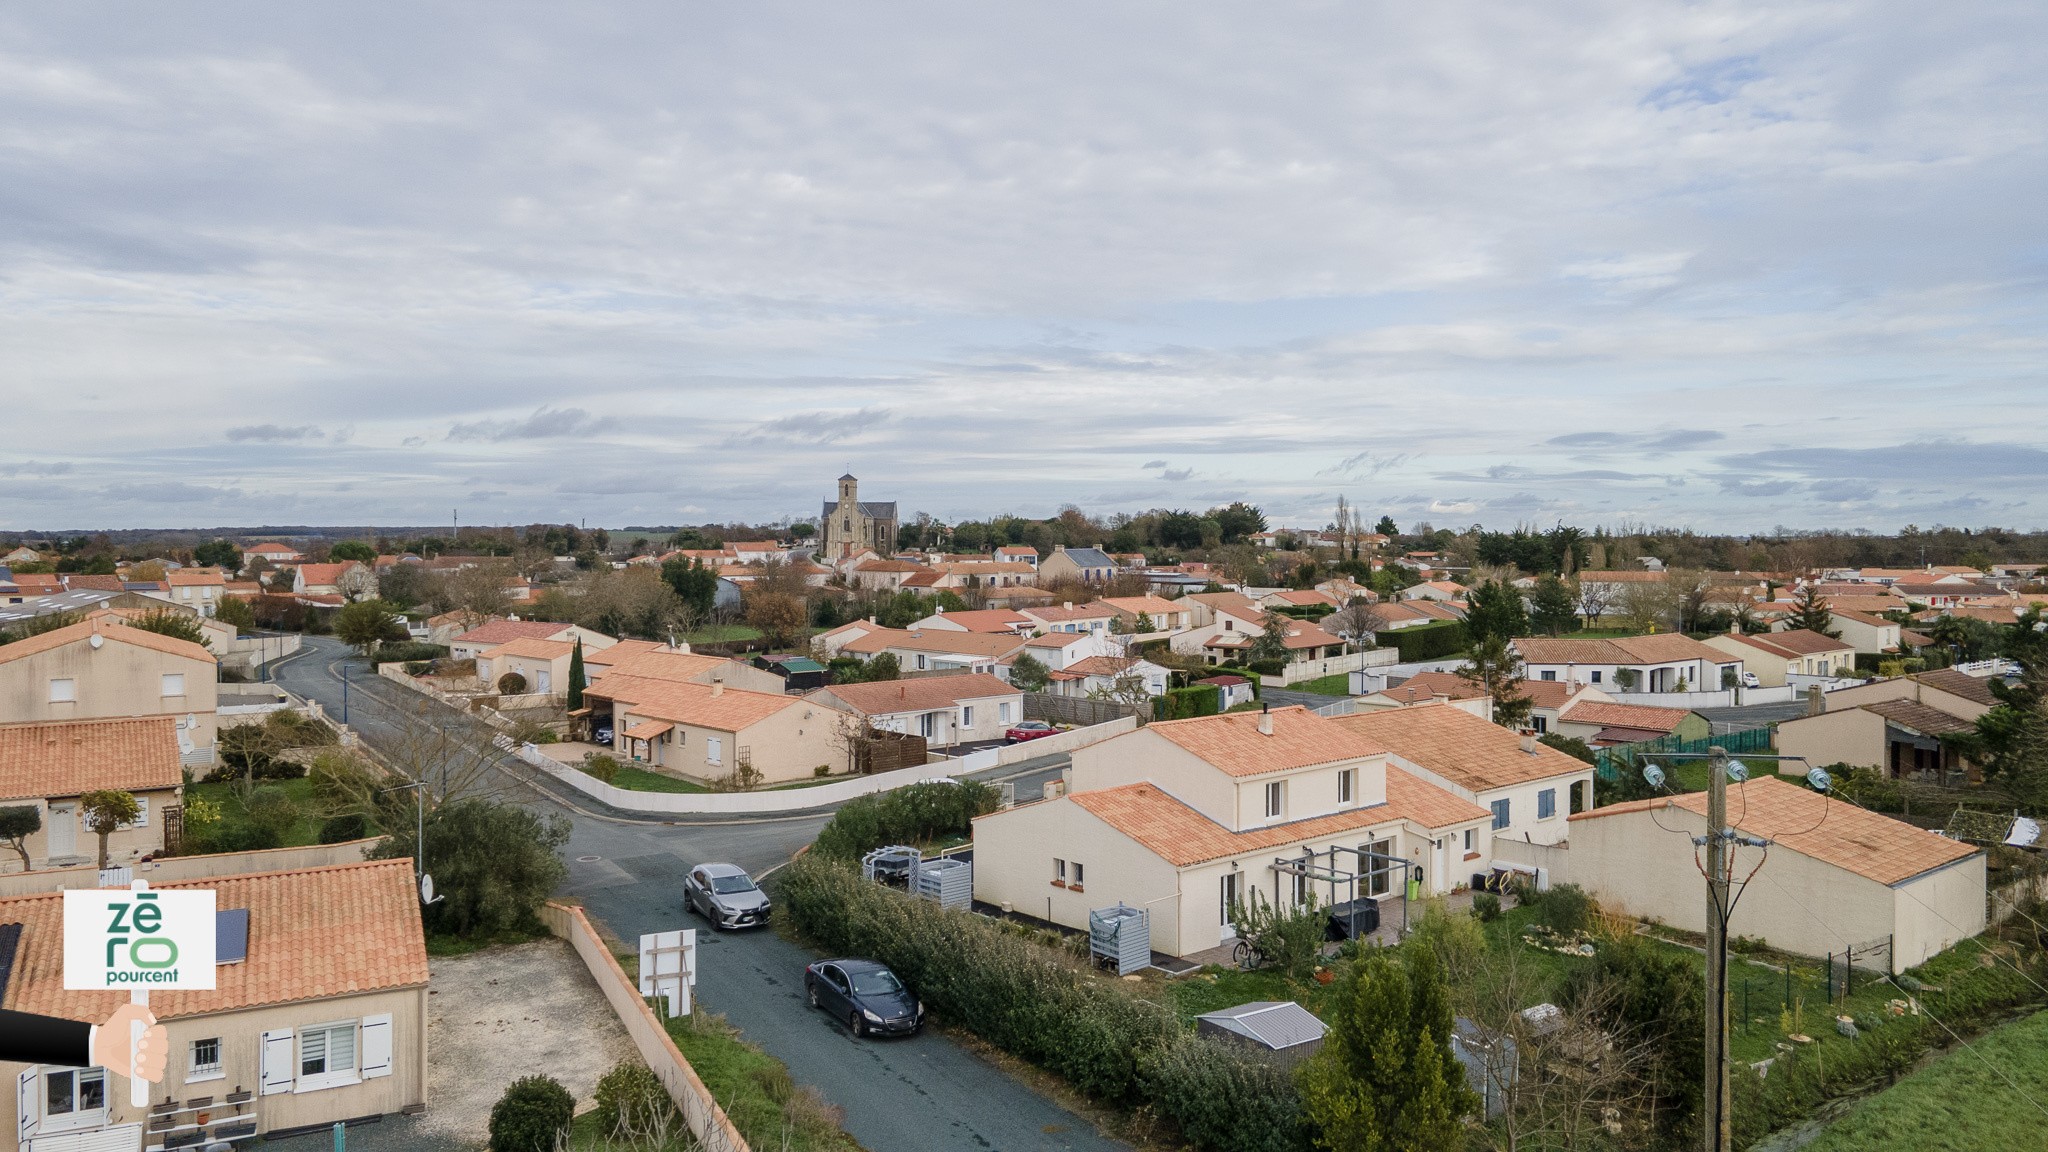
230,935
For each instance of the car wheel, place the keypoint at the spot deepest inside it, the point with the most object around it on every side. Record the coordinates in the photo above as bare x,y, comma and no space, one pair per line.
853,1021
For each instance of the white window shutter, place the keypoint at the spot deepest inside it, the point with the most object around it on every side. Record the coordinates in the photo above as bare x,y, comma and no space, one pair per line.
27,1106
377,1045
277,1061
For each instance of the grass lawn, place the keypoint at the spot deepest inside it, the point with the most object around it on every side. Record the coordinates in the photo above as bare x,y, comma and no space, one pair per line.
1338,684
1958,1103
722,634
305,831
641,780
1600,633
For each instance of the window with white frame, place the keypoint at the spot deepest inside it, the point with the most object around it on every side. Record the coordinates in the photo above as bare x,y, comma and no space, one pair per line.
1549,674
1077,873
1002,713
1230,892
1346,784
1059,870
928,725
967,715
174,684
205,1062
1500,814
1546,804
714,750
141,814
74,1098
1471,839
1275,799
327,1055
64,691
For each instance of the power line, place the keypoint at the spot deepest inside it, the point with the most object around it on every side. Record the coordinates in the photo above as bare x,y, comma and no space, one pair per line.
1979,1055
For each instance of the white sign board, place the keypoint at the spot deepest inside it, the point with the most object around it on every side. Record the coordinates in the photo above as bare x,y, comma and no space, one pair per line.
668,968
138,940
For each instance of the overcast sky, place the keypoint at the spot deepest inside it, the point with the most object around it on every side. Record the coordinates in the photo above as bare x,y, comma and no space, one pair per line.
1733,265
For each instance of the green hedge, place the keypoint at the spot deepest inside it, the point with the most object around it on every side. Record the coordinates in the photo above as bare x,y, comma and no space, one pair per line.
1182,703
1038,1004
912,814
1428,642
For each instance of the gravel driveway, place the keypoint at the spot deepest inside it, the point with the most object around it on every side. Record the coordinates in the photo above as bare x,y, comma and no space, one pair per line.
498,1015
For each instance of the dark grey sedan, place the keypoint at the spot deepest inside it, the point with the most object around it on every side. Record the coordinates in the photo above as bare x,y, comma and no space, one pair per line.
866,995
725,895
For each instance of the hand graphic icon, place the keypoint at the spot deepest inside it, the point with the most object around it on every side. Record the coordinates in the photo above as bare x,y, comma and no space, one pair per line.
110,1044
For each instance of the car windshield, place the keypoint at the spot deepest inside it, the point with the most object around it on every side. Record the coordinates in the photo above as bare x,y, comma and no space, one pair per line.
724,885
879,983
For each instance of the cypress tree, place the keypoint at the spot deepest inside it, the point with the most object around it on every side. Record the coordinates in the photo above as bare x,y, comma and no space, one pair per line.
576,675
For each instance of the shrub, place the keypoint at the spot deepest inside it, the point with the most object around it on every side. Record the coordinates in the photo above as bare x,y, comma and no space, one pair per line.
1486,906
271,814
1428,641
913,814
409,653
343,828
1194,700
632,1104
1566,908
1291,937
531,1116
511,684
1038,1004
494,864
600,766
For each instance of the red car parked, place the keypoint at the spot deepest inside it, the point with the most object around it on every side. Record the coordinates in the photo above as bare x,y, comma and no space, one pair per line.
1029,730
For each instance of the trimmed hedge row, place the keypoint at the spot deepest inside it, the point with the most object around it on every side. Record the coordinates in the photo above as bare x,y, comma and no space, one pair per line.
912,814
1429,641
1037,1003
1182,703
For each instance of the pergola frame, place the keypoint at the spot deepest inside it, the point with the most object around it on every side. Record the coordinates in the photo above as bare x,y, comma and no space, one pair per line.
1307,866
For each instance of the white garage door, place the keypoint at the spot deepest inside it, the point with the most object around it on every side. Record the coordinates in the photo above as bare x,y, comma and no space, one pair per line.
126,1138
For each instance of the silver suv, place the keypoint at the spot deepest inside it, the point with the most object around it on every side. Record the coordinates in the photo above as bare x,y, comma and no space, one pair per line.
725,895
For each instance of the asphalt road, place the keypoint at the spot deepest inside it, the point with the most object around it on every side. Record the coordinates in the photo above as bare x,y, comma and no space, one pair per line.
925,1092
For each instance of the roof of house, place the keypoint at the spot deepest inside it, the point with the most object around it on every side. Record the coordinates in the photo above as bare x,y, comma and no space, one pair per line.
498,632
1642,717
1066,613
194,576
1973,688
1860,617
988,619
653,662
923,694
1299,634
1182,836
314,934
1429,685
271,546
534,648
1872,846
325,573
1925,719
73,757
1662,648
1958,589
939,640
1794,642
1147,605
1232,742
80,582
1088,557
1059,639
1103,666
1303,597
1224,681
84,630
884,566
1547,694
1469,751
702,705
1232,603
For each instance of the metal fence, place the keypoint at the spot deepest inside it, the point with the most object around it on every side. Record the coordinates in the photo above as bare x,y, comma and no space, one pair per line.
1613,763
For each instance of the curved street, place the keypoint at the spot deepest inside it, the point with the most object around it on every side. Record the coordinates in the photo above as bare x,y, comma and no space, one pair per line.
923,1093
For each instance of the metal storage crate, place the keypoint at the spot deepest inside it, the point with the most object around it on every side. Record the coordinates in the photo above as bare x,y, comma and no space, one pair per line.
950,882
1121,935
895,865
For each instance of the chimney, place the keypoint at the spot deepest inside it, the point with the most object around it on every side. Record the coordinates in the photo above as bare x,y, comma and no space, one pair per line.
1529,741
1265,719
1069,605
1815,704
717,689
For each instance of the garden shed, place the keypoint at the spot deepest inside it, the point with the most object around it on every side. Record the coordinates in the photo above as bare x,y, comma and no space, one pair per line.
1280,1030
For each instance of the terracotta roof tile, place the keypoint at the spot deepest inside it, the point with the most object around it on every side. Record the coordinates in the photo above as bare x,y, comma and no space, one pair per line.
314,933
1646,717
987,644
534,648
1860,841
74,757
923,694
729,710
991,620
1659,649
112,630
505,631
1424,686
1925,719
1973,688
1233,743
1470,751
1183,837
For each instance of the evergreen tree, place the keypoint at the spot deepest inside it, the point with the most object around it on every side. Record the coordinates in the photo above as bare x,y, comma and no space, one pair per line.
1496,610
1386,527
694,583
1270,645
576,675
1497,671
1810,611
2011,740
1556,607
1385,1079
1028,673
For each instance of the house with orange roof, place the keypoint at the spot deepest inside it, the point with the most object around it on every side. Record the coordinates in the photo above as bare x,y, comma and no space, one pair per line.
1431,687
1304,641
1527,786
654,661
476,641
935,651
101,669
1863,631
1774,658
703,732
1606,723
1068,616
983,574
198,589
991,620
1149,615
1298,598
1190,818
885,575
1670,662
1835,875
1101,677
318,1015
272,553
1434,590
1017,553
945,710
349,579
48,767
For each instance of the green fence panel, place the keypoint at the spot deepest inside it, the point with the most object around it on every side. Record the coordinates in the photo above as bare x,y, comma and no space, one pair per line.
1610,763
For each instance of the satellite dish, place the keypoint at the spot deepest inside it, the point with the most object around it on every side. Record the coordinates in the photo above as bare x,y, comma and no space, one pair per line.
1738,771
1654,775
1820,780
426,889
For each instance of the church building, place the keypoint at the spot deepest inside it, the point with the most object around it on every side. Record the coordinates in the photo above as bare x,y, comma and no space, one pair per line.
852,524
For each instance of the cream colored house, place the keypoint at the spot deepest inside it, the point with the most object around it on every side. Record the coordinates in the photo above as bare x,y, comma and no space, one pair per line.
1528,787
1775,656
1133,613
1186,817
100,669
1837,875
49,766
1957,693
945,710
349,579
322,1019
1864,632
198,589
936,651
478,640
1902,738
706,731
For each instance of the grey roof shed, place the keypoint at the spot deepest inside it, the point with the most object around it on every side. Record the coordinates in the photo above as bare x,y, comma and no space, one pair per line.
1281,1027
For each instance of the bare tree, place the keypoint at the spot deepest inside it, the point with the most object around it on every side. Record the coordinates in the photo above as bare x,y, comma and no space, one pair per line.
1556,1078
479,591
1360,622
427,743
1126,687
357,583
1595,599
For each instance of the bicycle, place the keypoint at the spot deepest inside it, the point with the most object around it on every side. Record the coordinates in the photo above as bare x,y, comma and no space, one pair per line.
1248,956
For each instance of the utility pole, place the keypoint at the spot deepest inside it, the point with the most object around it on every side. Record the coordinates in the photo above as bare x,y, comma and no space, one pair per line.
1716,1127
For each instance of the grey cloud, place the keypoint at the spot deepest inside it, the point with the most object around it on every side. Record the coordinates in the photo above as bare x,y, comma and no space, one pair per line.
1842,491
1735,487
1643,441
173,492
487,494
1153,464
1935,460
1176,474
1365,465
544,424
36,468
273,433
821,427
414,442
